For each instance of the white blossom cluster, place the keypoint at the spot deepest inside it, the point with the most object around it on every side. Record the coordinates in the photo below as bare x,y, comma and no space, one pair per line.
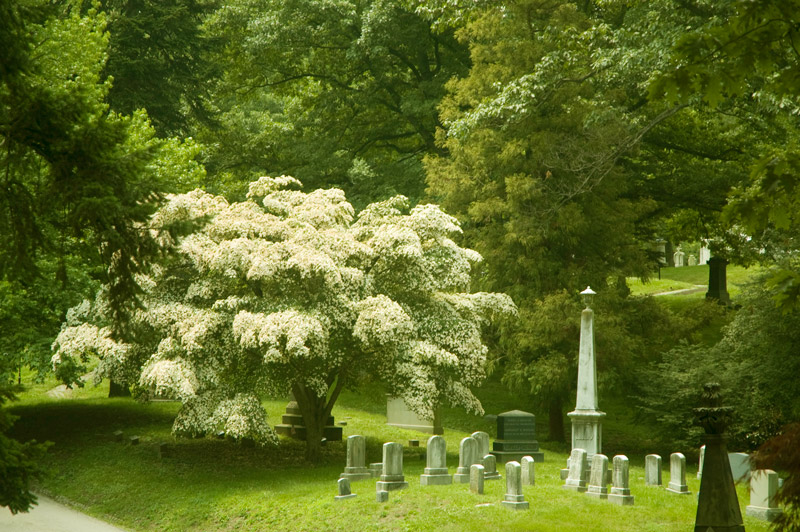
291,291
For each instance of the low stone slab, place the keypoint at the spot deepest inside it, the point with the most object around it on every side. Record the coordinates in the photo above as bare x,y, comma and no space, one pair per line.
344,489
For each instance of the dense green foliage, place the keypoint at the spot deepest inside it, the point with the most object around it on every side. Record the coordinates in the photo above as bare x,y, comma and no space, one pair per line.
339,93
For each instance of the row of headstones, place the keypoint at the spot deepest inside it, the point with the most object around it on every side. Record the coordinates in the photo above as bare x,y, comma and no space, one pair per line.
596,484
471,469
763,484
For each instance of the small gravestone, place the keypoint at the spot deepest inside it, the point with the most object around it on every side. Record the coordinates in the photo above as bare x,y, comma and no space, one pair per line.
436,471
476,478
344,489
763,486
652,470
678,257
483,442
528,471
576,479
516,437
381,496
163,449
134,440
356,458
392,477
220,435
490,468
620,486
375,469
700,464
597,478
413,443
514,498
118,435
467,455
677,474
692,260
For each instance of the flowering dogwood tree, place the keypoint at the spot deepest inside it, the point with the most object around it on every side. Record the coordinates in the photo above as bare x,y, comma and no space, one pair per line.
290,291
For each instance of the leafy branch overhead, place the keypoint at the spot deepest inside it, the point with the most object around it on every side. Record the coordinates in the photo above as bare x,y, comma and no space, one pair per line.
291,291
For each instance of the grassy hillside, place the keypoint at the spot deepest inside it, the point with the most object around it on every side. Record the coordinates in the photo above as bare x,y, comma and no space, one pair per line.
209,484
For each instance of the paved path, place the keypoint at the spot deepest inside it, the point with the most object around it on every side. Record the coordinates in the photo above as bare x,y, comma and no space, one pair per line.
684,291
50,516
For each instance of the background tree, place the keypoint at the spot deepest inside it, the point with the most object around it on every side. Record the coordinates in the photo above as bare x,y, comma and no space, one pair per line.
339,93
159,58
76,183
286,292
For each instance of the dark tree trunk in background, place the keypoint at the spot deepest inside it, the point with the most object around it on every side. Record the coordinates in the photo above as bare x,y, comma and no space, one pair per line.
556,421
116,389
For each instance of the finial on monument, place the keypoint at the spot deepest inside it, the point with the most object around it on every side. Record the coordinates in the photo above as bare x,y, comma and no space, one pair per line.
588,296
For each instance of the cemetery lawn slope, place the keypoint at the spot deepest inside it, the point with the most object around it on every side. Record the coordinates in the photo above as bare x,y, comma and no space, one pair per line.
208,484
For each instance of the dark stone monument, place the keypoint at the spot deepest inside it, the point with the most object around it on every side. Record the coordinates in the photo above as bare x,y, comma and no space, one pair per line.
292,425
718,280
516,437
717,504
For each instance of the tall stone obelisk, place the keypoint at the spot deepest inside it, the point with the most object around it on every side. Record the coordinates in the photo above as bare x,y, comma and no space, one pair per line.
587,421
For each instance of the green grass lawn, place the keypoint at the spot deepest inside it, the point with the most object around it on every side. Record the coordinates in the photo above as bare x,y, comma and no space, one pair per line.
690,277
208,484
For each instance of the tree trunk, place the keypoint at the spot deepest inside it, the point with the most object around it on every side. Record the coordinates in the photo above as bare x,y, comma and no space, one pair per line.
316,411
556,421
116,389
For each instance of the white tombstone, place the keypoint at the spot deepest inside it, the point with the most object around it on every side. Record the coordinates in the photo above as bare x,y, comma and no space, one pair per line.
692,260
356,468
528,471
702,460
678,257
514,498
739,462
677,474
763,486
652,470
476,478
740,466
483,442
576,479
392,477
343,485
399,415
620,486
705,254
467,455
436,471
597,478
